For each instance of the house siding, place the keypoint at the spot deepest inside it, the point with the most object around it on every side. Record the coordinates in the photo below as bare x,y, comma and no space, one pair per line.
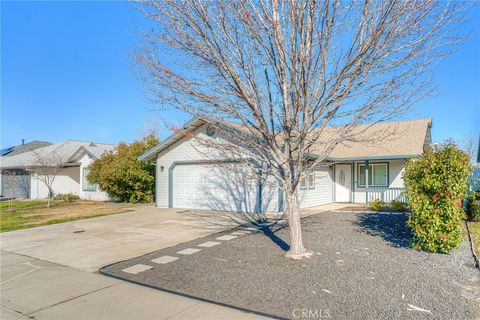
322,194
66,181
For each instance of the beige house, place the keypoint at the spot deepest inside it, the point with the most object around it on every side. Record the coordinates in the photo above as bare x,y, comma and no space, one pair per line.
355,172
20,172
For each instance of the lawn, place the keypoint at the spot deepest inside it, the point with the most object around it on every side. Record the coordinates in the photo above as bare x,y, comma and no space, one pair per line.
15,215
475,234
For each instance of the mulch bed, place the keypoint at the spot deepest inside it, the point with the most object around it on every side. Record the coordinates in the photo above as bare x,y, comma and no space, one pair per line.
362,268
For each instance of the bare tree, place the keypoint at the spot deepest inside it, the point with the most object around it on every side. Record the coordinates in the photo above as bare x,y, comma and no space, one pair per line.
285,72
470,144
148,128
45,167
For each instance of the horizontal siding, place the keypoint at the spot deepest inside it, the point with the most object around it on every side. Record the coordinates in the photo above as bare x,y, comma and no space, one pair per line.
322,194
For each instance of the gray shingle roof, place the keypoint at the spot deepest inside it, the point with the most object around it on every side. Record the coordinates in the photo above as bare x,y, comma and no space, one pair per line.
401,139
21,148
64,150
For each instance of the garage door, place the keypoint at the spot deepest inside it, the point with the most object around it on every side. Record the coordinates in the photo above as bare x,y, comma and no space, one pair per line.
15,184
214,188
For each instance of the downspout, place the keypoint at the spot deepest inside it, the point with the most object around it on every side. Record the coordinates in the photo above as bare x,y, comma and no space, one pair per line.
366,182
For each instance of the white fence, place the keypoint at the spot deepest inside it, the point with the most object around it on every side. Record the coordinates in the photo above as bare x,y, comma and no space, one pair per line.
386,194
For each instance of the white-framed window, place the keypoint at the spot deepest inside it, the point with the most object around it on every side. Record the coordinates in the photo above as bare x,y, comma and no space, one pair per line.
87,185
377,175
308,182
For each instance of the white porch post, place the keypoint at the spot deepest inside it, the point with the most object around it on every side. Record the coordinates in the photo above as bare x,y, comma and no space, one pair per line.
366,182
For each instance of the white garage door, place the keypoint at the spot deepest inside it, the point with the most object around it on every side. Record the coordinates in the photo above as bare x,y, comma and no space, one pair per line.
214,188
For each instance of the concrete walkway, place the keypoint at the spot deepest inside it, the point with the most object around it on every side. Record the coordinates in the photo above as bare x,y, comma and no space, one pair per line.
37,289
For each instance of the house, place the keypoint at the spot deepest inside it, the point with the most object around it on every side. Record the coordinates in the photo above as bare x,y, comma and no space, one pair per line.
353,172
20,177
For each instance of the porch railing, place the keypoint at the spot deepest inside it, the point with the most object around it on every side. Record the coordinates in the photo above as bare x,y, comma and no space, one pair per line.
386,194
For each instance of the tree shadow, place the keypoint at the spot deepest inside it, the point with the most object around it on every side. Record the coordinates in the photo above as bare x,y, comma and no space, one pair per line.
389,226
270,231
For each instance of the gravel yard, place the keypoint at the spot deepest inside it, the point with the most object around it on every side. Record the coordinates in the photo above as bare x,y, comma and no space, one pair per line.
362,268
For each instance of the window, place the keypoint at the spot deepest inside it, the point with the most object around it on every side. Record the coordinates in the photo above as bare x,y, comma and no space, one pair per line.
86,185
308,182
377,175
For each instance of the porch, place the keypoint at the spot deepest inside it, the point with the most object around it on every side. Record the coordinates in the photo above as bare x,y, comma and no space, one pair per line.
362,181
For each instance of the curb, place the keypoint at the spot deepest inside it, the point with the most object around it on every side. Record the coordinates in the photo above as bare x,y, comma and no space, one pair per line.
472,247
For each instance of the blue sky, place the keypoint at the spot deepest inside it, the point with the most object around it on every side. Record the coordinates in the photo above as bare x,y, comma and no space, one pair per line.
66,73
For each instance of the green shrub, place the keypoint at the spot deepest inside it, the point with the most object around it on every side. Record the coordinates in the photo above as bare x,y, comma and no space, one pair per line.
398,206
122,175
67,197
377,205
474,210
435,183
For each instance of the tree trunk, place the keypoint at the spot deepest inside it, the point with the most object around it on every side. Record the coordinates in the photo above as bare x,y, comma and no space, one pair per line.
49,198
292,210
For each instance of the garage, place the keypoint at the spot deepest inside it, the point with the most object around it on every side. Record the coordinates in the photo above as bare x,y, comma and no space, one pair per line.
223,187
15,183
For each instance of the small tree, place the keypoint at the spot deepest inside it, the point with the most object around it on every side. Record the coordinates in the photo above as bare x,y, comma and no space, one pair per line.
122,175
45,167
435,184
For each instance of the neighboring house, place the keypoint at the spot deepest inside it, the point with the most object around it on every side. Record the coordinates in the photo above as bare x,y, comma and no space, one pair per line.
353,172
24,147
19,179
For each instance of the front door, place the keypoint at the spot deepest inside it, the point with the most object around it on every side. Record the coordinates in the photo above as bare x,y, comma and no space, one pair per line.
343,182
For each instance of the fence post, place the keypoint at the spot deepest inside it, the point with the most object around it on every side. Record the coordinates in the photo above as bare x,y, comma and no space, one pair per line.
366,182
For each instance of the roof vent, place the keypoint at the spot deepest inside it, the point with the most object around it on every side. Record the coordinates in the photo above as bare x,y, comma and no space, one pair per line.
92,144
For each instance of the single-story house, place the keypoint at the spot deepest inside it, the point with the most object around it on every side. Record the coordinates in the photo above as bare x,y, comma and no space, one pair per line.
353,172
19,172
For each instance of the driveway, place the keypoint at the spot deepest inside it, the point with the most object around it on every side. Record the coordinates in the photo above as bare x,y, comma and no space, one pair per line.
93,243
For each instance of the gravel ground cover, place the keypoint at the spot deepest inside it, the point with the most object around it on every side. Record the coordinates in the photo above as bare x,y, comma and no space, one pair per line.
362,268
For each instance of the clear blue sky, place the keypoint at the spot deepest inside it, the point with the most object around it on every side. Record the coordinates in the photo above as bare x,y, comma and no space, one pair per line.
66,73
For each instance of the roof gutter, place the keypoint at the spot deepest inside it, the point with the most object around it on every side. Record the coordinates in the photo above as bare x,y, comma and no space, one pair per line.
395,157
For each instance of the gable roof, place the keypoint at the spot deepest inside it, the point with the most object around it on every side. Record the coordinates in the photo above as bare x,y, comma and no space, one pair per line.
399,140
385,140
69,151
24,147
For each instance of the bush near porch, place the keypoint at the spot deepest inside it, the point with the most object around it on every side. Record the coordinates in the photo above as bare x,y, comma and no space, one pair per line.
435,184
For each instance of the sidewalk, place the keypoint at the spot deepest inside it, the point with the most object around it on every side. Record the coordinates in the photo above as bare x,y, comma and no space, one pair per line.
36,288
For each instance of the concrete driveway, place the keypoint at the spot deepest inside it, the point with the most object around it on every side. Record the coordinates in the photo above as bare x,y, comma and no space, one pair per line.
92,243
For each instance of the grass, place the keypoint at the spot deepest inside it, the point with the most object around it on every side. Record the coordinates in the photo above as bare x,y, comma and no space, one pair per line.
475,234
16,215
